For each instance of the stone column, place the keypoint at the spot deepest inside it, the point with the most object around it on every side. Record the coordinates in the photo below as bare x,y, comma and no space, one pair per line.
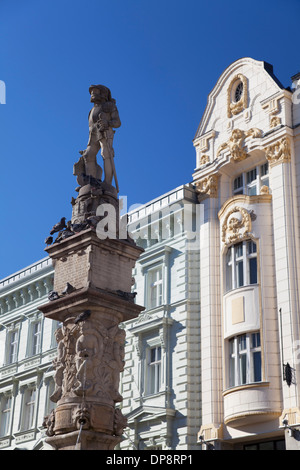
91,296
90,342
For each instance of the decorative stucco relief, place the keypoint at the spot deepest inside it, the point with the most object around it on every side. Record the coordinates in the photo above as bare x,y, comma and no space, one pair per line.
235,107
280,152
208,186
237,225
236,143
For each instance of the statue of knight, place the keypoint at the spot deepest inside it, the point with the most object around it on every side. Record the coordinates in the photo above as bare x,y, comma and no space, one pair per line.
103,118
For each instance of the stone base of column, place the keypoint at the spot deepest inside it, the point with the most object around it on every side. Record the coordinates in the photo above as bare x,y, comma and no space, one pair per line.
83,440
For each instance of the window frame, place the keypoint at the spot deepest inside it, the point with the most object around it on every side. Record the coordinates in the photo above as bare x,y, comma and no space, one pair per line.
153,379
243,368
251,186
155,287
238,272
6,411
29,408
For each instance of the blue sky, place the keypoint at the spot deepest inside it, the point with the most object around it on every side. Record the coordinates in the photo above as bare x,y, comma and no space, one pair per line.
159,58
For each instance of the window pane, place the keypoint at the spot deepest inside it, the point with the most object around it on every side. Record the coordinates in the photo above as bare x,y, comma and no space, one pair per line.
251,247
238,183
251,176
264,169
253,271
257,366
240,274
252,190
255,337
239,250
243,369
266,445
231,363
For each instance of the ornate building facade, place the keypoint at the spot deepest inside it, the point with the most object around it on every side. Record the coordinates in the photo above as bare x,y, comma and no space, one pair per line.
213,361
247,176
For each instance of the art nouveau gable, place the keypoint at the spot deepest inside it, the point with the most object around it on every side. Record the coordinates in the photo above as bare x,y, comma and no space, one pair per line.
247,96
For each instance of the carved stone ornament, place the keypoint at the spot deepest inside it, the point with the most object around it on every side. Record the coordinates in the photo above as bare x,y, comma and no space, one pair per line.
236,226
236,143
236,106
204,159
274,121
89,361
208,186
280,152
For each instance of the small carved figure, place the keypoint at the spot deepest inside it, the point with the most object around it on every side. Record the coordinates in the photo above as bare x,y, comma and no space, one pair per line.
87,348
120,422
59,365
49,423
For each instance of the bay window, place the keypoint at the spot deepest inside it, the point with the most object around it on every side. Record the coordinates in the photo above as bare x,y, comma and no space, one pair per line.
244,359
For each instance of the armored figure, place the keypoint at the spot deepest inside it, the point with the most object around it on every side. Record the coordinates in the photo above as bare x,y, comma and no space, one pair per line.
103,118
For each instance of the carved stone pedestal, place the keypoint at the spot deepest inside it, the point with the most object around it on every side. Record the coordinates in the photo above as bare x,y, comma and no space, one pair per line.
98,277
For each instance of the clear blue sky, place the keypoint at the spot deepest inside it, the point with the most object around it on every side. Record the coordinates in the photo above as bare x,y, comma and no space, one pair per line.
159,58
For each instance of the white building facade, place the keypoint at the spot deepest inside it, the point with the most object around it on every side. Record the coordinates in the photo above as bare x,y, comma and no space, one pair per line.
27,349
161,380
247,175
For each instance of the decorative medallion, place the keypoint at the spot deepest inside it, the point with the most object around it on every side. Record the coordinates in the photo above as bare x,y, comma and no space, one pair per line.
236,226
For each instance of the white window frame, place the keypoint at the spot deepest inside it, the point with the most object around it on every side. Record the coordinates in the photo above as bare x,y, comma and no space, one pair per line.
248,184
12,346
34,346
242,350
153,377
29,407
6,414
238,262
155,287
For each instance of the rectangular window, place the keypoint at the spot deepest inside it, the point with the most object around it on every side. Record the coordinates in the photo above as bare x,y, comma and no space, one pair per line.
154,370
29,408
5,415
241,265
251,182
12,346
155,288
36,337
244,359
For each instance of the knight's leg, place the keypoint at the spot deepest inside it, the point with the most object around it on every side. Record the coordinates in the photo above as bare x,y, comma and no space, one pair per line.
90,159
107,162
